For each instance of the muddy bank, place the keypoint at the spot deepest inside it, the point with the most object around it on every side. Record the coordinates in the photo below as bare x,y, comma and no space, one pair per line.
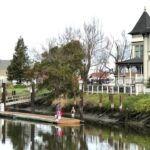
140,120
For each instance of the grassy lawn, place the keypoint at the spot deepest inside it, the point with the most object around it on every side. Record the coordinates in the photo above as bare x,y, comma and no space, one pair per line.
19,91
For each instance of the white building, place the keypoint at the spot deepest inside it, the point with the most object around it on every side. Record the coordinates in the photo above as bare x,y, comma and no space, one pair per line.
140,59
3,70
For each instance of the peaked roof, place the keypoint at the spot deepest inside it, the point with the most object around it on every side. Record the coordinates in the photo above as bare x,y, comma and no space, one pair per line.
100,74
143,25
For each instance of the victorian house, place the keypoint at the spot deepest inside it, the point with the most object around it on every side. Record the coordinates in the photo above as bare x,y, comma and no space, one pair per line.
140,59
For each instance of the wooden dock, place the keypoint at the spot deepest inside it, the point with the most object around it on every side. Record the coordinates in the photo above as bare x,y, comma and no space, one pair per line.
39,118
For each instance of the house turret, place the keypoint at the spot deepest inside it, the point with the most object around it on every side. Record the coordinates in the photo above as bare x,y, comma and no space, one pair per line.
141,42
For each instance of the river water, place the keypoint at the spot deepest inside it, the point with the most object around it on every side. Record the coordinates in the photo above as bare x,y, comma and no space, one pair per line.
23,135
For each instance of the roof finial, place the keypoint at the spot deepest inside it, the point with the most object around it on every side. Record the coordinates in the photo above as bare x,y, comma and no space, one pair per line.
145,8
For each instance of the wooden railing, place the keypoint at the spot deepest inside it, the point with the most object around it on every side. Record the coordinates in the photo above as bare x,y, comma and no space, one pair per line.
18,99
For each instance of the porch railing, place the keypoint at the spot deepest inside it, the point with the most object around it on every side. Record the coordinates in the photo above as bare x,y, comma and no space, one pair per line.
138,78
106,88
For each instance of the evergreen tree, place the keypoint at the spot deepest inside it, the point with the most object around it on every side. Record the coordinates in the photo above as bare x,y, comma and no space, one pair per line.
20,63
60,66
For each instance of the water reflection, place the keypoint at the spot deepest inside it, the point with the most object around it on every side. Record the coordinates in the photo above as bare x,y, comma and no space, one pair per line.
19,135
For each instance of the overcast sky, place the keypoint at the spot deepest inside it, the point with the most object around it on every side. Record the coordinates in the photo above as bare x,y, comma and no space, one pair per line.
38,20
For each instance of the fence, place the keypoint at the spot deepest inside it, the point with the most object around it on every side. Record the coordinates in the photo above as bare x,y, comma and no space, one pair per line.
105,88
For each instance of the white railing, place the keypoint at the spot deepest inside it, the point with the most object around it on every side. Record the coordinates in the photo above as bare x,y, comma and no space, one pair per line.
146,90
137,88
138,78
107,88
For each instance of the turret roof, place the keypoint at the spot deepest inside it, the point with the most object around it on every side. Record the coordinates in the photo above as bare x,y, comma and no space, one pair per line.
143,25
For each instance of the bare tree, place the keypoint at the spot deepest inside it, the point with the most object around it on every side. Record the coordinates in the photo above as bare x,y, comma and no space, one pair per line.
69,35
35,55
95,45
50,43
120,50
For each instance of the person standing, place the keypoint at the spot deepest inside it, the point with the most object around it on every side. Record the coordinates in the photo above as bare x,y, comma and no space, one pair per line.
73,112
57,110
59,115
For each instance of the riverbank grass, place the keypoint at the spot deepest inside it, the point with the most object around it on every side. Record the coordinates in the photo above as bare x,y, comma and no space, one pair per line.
140,103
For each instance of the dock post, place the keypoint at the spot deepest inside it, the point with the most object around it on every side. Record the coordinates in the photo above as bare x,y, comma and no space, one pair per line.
32,96
4,94
120,102
4,132
100,100
32,137
111,99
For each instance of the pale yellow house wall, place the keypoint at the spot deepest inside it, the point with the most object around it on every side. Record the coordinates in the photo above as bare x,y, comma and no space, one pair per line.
146,56
133,51
135,39
145,61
